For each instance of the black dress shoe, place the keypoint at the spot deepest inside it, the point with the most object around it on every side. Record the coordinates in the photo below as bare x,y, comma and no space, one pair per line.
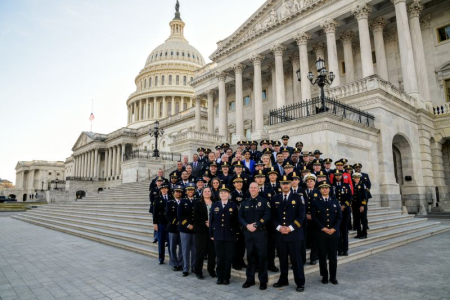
334,281
274,269
363,237
340,253
357,237
185,274
175,269
155,241
300,288
161,262
237,268
345,253
180,268
226,281
246,284
279,284
213,275
313,262
324,280
263,286
219,281
200,276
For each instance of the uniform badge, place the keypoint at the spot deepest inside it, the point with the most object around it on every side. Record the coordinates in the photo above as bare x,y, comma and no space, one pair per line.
279,190
269,195
293,202
247,206
216,209
231,209
359,187
334,205
315,194
259,203
277,202
239,199
268,204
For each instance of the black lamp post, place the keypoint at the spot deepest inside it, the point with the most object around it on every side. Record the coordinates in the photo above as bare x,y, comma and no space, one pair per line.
42,188
156,132
299,76
56,181
322,79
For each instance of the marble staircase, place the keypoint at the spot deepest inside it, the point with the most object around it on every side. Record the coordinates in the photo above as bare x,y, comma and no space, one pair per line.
119,217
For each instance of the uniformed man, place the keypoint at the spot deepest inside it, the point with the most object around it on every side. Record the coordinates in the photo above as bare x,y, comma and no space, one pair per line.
288,213
223,230
176,257
200,183
238,172
201,155
327,167
359,207
344,196
160,220
327,215
311,195
225,176
173,180
186,227
238,197
273,180
154,192
285,141
364,178
345,177
254,214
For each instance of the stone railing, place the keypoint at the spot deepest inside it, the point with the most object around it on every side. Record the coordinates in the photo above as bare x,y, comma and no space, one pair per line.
163,89
443,109
367,84
193,135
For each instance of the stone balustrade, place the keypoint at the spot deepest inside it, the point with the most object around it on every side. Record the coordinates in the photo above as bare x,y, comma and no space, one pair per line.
367,84
443,109
193,135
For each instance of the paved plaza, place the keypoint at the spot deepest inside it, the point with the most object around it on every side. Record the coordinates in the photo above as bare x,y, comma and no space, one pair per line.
39,263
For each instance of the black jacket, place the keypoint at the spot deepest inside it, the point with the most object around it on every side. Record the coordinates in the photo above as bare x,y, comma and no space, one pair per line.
200,217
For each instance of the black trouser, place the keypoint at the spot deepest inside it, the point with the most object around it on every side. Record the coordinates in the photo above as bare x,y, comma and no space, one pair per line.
360,219
327,247
238,259
224,252
343,239
204,245
271,246
291,250
256,243
311,243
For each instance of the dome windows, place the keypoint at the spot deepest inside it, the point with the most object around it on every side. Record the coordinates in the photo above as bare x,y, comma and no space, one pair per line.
171,53
150,82
182,54
178,53
163,80
156,81
184,80
178,80
166,53
170,79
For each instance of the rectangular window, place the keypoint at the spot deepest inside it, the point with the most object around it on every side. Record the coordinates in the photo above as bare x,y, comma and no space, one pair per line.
443,33
232,135
231,106
246,100
343,67
447,90
264,95
248,134
216,109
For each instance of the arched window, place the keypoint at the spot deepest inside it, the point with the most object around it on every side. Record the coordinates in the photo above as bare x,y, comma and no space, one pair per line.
178,53
170,79
192,78
156,81
189,55
184,80
178,80
171,53
182,54
150,82
166,53
163,80
145,83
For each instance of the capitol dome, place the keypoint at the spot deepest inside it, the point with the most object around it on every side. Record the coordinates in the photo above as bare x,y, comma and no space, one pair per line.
162,86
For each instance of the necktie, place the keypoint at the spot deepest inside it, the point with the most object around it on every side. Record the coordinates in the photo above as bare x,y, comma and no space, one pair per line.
295,191
195,165
165,198
273,186
260,189
285,198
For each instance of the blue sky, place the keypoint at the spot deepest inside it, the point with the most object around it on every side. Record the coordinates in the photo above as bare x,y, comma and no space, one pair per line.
56,56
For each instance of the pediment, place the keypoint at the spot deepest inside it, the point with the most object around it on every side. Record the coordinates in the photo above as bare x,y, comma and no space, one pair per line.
270,15
82,140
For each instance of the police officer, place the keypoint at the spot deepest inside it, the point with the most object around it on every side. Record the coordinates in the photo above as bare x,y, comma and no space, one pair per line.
154,192
160,220
223,230
186,227
176,257
344,196
253,216
238,196
326,213
364,178
359,207
288,213
311,195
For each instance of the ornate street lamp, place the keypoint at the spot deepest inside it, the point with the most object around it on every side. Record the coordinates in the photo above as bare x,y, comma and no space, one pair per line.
299,75
156,132
322,79
56,181
42,188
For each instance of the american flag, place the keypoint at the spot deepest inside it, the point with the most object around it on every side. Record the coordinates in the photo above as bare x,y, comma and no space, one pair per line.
91,117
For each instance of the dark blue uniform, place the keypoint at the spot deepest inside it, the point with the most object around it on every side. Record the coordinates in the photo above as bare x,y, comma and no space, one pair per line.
159,218
310,230
327,214
290,213
176,257
360,198
224,228
343,194
255,210
366,180
238,260
186,218
268,193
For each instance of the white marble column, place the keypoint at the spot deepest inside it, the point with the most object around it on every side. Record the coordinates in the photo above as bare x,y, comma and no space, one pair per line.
294,59
146,109
329,26
106,162
191,102
211,111
155,108
414,10
258,129
406,49
238,69
361,13
164,113
273,76
82,165
223,109
172,107
281,95
114,161
302,42
128,115
198,116
118,148
346,39
377,26
91,163
96,163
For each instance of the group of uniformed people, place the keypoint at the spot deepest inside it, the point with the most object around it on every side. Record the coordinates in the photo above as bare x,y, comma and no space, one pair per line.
227,203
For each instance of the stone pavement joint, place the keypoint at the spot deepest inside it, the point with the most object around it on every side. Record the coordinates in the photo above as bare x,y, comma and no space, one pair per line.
39,263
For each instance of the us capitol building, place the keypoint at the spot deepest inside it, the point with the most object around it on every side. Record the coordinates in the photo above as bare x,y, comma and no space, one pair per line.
391,64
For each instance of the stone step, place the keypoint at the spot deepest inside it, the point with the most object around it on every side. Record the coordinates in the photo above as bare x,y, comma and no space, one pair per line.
119,211
132,218
357,252
107,205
